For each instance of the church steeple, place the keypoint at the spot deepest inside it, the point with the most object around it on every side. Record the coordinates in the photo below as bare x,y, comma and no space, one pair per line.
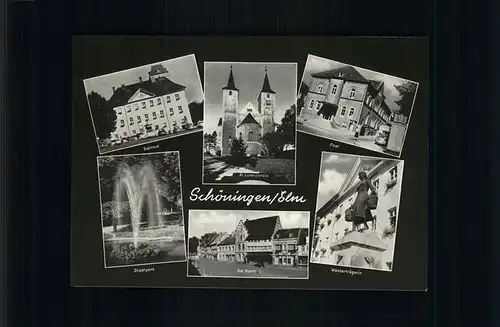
266,86
230,82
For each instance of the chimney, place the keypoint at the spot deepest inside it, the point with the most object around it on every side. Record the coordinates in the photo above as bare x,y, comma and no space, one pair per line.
114,89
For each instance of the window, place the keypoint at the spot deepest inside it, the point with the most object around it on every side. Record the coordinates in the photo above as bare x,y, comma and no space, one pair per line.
177,97
124,133
180,109
342,112
394,173
320,88
162,114
141,130
154,115
269,103
143,104
136,106
250,136
138,119
351,112
171,111
311,104
241,135
291,246
157,127
158,101
174,123
151,103
392,216
128,108
118,112
290,235
131,120
230,92
122,122
318,105
376,183
146,117
352,95
334,89
133,131
267,96
168,99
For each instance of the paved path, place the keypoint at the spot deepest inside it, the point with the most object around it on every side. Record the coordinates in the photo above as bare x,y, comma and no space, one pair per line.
148,140
339,135
221,169
230,269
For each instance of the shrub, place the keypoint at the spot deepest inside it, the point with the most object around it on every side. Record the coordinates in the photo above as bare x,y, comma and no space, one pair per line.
110,211
127,253
238,152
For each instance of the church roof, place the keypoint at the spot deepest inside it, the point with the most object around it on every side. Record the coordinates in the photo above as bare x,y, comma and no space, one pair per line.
261,229
266,86
161,86
157,69
249,119
230,82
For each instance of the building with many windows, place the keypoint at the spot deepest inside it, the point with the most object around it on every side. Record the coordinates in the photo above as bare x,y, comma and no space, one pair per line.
260,240
346,98
337,242
150,105
290,247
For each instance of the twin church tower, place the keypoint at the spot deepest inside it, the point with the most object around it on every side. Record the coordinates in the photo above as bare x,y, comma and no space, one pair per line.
249,124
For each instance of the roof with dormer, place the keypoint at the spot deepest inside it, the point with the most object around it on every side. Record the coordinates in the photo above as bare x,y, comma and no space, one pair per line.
249,119
346,72
287,233
261,229
162,86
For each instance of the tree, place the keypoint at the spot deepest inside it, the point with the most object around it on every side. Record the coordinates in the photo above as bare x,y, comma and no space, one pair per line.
193,244
210,141
196,111
273,143
407,92
287,127
238,151
304,89
103,115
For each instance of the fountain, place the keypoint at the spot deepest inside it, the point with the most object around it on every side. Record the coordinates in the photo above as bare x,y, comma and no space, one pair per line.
140,188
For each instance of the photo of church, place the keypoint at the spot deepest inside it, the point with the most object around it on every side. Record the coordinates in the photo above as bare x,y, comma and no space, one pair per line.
354,105
149,103
250,123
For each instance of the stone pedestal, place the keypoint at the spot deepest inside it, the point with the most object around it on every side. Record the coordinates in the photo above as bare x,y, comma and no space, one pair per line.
396,137
362,250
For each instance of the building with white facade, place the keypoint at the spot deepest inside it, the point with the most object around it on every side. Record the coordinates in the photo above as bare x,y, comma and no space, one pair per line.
337,242
150,105
347,99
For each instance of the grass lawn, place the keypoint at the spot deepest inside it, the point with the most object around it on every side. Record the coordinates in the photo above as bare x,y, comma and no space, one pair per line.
282,169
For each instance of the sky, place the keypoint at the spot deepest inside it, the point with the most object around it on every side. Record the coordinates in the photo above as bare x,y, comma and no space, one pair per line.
316,64
181,70
206,221
248,78
333,172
